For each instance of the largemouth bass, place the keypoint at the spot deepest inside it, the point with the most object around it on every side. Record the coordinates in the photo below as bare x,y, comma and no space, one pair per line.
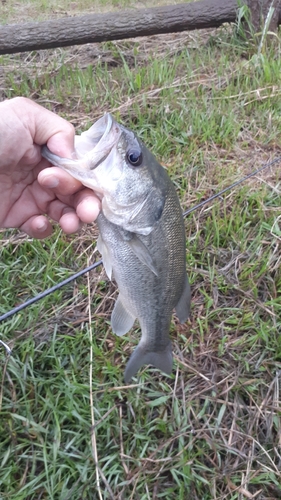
142,236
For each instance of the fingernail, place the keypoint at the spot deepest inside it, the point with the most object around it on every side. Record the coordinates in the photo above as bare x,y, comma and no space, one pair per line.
51,182
41,226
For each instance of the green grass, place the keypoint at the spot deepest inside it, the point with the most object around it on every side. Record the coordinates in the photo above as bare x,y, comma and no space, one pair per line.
209,109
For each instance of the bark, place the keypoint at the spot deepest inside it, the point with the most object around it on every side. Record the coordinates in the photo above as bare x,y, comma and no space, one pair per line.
259,10
125,24
116,26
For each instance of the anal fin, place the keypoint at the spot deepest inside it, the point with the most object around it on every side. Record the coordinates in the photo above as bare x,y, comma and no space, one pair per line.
183,305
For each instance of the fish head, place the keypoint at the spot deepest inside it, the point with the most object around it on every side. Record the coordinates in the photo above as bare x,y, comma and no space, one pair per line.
111,160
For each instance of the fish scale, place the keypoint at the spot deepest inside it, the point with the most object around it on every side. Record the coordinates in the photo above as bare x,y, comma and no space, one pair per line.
142,236
148,297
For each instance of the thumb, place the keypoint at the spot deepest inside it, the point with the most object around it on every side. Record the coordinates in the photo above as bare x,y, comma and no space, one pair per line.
46,127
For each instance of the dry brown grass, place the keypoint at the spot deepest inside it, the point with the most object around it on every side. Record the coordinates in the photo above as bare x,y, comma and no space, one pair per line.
213,430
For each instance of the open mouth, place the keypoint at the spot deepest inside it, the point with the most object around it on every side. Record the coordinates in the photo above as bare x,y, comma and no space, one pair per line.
100,129
93,147
97,142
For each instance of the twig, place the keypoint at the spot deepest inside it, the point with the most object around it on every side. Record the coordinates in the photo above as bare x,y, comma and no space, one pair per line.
121,443
93,433
6,347
2,382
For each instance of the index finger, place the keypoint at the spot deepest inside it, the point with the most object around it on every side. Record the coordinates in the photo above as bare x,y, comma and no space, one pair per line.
59,181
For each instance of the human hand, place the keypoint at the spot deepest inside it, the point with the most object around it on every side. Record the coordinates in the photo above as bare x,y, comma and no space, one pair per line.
28,189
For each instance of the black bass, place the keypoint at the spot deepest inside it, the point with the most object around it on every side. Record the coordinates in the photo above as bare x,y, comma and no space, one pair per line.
142,236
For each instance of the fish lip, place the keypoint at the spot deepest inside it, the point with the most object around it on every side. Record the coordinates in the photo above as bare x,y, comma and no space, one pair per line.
101,142
110,132
108,124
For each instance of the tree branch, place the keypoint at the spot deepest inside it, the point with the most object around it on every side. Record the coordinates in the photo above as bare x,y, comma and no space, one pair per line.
118,25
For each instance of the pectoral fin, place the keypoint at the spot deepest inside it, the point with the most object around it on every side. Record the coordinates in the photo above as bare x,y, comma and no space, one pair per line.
183,305
106,259
142,252
121,319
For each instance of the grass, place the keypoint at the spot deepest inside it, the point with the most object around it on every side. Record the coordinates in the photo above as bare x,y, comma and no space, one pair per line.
209,109
40,10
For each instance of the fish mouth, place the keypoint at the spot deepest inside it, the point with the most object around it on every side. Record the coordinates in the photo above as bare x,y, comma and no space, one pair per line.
102,126
96,161
98,142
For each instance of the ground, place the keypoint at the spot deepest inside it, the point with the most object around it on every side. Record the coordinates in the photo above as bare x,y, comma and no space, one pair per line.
207,104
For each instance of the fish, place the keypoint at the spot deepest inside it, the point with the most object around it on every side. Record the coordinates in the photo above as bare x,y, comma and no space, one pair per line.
141,236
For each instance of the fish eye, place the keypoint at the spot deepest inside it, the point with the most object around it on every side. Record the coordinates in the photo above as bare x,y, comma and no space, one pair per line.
134,157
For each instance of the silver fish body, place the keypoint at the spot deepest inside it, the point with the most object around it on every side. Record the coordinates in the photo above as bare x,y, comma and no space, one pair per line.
142,236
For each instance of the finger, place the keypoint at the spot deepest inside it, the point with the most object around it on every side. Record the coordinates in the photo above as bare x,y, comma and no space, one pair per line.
37,227
65,215
70,223
87,205
46,127
54,131
57,209
59,181
85,201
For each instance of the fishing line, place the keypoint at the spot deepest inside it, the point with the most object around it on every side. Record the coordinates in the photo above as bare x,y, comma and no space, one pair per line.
96,264
187,212
48,291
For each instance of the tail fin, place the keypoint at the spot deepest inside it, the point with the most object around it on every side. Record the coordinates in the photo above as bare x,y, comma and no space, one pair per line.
141,356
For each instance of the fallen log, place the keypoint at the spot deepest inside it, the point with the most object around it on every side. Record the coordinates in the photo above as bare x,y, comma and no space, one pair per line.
117,25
